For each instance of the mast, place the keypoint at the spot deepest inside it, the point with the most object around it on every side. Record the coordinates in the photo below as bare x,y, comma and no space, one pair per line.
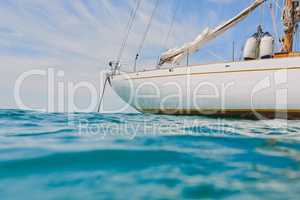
288,19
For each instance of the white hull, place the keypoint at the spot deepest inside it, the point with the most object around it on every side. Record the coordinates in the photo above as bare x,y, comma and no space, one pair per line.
264,86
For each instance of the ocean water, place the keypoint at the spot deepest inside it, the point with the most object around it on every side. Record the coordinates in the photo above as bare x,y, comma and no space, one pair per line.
140,156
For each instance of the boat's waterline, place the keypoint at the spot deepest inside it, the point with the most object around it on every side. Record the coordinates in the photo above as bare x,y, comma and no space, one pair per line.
260,88
239,113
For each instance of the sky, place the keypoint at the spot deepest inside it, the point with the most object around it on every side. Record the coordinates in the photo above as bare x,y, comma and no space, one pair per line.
75,40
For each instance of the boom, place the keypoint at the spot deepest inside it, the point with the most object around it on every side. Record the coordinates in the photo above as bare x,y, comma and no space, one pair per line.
177,54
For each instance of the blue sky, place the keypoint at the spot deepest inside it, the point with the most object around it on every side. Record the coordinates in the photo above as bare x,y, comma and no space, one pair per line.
81,36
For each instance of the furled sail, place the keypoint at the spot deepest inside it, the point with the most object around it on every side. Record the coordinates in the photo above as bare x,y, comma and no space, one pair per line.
177,54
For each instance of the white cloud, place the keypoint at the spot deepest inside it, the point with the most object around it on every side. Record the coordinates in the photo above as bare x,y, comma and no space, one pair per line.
71,37
80,37
223,1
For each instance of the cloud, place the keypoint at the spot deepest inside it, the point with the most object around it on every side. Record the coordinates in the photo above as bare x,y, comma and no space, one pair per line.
81,37
223,1
78,37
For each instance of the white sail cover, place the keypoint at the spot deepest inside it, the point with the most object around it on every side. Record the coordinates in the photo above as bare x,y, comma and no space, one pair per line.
177,54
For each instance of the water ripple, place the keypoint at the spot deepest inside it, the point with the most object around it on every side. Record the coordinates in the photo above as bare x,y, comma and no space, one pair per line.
92,156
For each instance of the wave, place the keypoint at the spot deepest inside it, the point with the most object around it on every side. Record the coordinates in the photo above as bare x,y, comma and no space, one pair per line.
179,157
113,159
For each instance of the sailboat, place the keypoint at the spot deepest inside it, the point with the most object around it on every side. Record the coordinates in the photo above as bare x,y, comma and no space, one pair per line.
264,84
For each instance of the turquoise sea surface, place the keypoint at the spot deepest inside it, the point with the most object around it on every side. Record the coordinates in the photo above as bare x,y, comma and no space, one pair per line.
140,156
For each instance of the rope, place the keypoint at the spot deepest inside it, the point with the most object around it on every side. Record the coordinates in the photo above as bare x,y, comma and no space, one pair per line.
147,29
128,28
172,24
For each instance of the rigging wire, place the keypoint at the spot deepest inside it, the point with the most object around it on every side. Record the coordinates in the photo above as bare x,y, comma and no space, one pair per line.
275,28
147,29
128,28
277,4
278,9
262,15
297,41
171,25
101,97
